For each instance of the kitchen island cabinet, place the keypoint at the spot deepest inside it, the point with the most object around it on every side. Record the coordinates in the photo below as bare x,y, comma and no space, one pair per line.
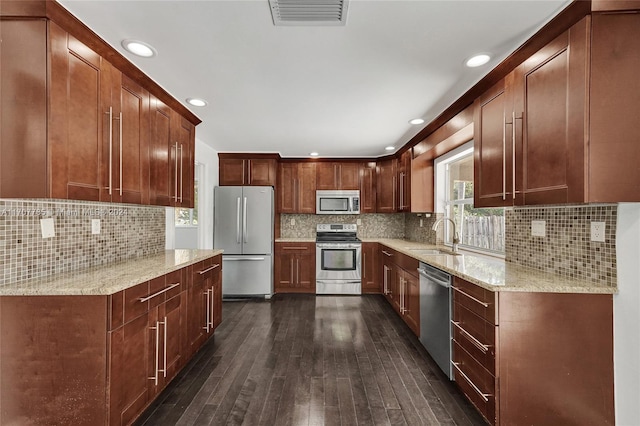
106,344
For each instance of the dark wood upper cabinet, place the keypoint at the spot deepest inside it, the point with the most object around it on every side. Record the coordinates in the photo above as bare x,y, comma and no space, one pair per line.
338,175
161,166
297,187
237,171
422,180
368,187
386,186
404,182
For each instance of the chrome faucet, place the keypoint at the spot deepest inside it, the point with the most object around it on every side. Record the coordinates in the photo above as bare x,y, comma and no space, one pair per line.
456,237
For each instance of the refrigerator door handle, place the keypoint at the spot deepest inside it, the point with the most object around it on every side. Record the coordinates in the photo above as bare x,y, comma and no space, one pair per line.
244,220
244,258
238,220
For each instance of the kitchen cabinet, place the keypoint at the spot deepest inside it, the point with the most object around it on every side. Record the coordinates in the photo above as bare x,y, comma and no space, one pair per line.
422,181
338,175
236,170
386,186
86,128
368,187
297,187
124,349
401,285
515,352
544,133
295,267
204,298
404,181
370,268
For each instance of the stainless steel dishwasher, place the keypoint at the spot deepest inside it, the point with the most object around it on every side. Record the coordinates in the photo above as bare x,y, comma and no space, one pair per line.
435,315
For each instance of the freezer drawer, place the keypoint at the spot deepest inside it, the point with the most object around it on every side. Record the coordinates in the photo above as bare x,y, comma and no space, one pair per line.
247,276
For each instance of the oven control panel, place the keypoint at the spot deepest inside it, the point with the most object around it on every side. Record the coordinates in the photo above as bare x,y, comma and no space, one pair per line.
336,227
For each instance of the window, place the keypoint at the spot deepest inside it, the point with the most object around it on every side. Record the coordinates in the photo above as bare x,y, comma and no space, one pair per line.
479,228
189,217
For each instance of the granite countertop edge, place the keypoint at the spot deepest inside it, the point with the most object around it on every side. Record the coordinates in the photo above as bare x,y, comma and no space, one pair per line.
108,279
491,273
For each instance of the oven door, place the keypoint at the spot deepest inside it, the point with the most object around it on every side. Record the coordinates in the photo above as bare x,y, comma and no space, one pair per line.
338,261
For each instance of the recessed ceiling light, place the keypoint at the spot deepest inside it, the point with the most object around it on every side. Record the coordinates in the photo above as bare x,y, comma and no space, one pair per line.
197,102
477,60
139,48
313,154
416,121
390,148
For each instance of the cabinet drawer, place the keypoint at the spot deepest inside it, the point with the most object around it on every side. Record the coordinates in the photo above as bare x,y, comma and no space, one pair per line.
133,307
388,253
484,354
175,277
483,331
205,268
476,383
408,263
297,248
476,299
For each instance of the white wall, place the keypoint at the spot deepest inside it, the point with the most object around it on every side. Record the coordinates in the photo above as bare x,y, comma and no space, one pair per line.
626,316
208,157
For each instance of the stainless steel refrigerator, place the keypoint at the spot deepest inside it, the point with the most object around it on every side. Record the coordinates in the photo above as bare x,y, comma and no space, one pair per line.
243,228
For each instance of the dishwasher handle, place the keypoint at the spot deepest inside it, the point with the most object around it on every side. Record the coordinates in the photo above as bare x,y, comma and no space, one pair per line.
441,281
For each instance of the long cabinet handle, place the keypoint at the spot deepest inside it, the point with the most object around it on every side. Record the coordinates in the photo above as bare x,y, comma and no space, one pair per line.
293,278
386,253
248,171
394,193
484,396
164,290
157,367
486,305
207,311
245,259
212,308
175,193
294,248
484,348
504,156
110,114
181,174
297,270
120,153
364,265
513,153
164,356
209,269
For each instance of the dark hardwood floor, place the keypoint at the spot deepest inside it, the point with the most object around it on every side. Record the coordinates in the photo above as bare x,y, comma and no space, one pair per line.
307,360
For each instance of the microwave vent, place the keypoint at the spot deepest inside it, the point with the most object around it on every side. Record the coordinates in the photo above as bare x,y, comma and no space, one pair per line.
309,12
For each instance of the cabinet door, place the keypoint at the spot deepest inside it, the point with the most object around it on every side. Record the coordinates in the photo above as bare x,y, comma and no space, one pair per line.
397,287
493,152
130,167
411,305
550,99
171,314
197,300
349,176
404,182
81,121
284,271
161,147
306,188
370,267
368,188
261,172
327,176
232,171
386,186
185,137
129,348
287,187
217,294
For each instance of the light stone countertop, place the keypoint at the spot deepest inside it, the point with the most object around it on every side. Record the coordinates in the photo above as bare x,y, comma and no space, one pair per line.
295,240
108,279
490,272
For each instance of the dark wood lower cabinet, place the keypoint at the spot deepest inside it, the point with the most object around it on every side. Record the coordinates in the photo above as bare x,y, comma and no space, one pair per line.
295,267
101,360
401,285
370,274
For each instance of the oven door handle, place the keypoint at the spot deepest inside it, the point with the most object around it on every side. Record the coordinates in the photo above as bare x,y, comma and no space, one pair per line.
339,281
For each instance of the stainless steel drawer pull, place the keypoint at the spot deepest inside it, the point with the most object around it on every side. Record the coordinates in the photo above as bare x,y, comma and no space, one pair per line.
144,299
294,248
486,305
387,253
209,269
476,342
484,396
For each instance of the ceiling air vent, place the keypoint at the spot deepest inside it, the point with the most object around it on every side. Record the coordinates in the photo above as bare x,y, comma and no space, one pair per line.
309,12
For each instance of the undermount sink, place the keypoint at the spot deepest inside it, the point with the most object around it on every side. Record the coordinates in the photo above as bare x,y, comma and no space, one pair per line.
432,252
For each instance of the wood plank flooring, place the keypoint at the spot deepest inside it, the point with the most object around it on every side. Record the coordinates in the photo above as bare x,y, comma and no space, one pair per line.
307,360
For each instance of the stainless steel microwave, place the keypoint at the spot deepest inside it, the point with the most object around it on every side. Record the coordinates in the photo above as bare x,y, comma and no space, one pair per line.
338,202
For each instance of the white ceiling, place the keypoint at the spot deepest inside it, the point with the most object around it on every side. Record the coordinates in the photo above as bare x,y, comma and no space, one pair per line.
344,91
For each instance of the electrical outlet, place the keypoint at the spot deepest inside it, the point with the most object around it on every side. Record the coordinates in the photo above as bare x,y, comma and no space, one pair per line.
421,223
47,227
95,226
358,222
597,231
293,222
538,228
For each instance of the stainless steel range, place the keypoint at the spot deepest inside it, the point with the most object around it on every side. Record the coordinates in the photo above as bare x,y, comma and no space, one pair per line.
338,259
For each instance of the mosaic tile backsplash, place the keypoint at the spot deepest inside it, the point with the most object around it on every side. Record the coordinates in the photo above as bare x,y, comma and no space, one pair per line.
567,248
373,225
423,234
127,231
